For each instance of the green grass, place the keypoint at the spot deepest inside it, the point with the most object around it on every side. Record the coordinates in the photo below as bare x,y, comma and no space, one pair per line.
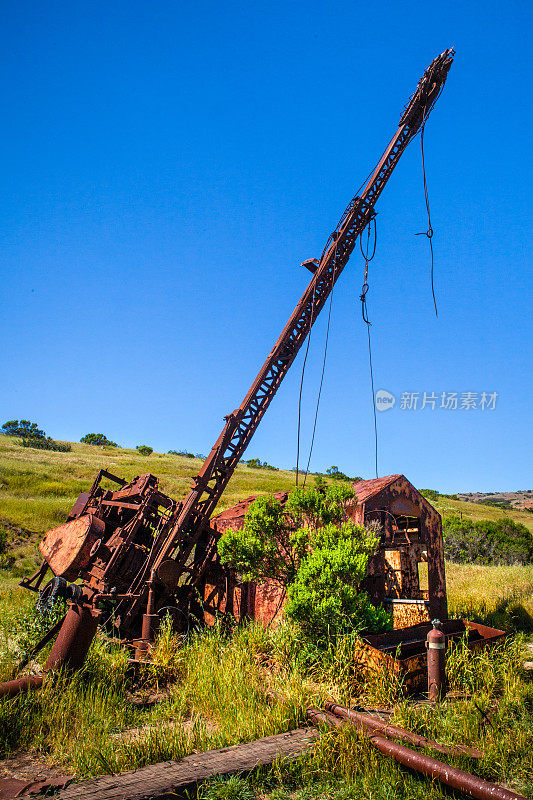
500,596
38,488
230,687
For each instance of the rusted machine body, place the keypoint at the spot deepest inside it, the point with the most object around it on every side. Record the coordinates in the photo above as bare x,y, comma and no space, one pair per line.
137,553
111,542
406,573
405,654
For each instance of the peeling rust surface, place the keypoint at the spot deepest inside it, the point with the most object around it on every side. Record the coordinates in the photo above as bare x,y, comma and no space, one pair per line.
67,548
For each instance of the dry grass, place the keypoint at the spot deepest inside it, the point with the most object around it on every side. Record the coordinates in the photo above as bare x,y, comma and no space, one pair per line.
502,596
478,511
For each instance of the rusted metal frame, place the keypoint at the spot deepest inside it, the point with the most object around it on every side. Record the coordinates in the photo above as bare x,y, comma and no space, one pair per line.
103,473
120,504
148,566
133,526
201,569
37,576
130,529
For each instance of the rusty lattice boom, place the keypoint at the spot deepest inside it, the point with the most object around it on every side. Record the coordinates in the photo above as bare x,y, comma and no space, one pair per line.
139,550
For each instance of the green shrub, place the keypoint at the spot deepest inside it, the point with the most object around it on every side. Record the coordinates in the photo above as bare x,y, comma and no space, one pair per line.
24,428
98,439
46,444
256,463
144,450
312,550
430,494
486,541
336,474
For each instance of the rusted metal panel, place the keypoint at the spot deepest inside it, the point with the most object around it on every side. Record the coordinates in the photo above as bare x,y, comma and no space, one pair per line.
406,613
404,653
68,548
387,500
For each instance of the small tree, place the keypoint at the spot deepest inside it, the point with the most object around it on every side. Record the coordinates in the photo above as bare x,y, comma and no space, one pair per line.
336,474
24,428
98,439
144,450
315,553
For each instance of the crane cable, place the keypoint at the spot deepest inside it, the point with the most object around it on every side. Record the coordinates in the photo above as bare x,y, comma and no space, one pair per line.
301,388
323,370
364,311
429,232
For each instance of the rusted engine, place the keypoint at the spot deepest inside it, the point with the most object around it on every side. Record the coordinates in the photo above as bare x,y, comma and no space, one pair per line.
110,542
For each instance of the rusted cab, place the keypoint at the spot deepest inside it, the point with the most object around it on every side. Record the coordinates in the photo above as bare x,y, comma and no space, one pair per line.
407,571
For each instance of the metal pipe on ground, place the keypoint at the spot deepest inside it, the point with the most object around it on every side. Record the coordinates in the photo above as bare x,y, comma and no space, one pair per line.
69,651
455,778
368,722
25,684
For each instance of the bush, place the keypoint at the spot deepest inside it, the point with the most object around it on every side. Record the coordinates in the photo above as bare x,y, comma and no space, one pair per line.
24,428
32,436
46,444
256,463
144,450
98,439
487,541
311,549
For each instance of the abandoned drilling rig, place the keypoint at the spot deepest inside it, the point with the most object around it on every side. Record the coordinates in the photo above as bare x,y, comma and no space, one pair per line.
136,553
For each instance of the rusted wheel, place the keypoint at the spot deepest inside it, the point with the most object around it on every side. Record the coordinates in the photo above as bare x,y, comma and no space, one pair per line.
55,590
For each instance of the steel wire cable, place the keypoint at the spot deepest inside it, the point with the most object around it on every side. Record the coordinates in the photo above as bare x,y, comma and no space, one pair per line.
429,232
321,376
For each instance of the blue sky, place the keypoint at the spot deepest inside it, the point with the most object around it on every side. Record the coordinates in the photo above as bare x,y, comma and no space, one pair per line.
167,167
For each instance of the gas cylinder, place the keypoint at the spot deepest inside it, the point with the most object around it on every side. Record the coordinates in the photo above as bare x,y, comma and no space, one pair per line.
436,648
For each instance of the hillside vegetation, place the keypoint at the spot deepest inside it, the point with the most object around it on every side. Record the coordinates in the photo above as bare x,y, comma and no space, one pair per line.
38,488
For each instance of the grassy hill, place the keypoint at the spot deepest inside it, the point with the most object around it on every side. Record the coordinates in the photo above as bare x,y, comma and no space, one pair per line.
38,487
477,511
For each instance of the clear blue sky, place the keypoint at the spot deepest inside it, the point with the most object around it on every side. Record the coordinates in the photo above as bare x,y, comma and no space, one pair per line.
166,168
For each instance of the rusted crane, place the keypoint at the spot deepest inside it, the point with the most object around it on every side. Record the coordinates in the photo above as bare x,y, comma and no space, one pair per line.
140,552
